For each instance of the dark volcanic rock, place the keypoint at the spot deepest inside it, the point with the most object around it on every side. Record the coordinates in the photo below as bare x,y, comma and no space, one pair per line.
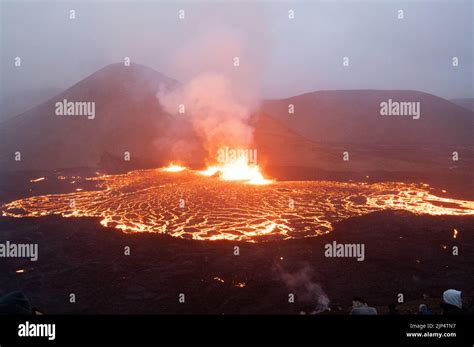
404,253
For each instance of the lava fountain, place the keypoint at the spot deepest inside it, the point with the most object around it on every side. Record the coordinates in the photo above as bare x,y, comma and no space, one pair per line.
239,170
173,168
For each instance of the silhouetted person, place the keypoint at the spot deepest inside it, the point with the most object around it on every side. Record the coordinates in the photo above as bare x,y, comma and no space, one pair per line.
360,307
424,310
452,302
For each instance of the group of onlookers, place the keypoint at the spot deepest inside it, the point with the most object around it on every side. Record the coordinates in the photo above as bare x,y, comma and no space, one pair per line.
452,303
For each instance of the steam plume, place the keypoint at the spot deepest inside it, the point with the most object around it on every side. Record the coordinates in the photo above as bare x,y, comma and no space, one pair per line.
221,96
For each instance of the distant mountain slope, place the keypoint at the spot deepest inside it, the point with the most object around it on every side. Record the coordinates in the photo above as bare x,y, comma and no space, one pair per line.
353,117
128,119
279,145
285,154
466,103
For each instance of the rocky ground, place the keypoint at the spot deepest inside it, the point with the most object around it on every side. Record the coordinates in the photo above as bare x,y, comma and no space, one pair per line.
404,253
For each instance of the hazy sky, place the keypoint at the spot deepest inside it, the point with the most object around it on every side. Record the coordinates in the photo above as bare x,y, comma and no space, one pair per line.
289,57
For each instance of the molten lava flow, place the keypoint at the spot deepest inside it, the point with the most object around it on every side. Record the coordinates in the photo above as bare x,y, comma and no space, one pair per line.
215,209
173,168
238,171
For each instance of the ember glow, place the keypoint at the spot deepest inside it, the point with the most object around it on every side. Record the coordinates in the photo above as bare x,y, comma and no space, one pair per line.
219,209
38,179
455,233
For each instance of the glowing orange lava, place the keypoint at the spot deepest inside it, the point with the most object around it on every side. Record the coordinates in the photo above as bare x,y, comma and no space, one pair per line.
173,168
238,171
192,206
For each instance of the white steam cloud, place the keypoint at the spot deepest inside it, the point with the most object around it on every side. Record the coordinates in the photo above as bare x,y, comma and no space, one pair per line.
221,97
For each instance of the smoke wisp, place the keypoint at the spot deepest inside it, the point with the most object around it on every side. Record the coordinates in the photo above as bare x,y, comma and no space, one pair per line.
305,289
